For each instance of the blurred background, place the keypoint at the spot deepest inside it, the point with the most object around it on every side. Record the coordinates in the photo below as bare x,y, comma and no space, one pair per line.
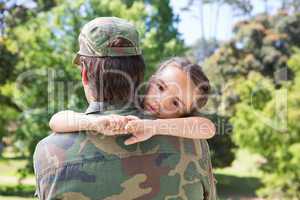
248,48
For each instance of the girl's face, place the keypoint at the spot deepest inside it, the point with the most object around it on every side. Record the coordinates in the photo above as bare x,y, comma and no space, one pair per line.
170,94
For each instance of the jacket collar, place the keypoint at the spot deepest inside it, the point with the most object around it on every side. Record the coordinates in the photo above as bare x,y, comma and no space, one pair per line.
98,107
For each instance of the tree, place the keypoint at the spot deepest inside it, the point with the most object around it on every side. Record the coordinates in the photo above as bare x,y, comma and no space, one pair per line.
271,120
44,44
255,82
261,44
12,14
203,49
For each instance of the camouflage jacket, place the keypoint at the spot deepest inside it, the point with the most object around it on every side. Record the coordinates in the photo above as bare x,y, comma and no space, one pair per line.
90,166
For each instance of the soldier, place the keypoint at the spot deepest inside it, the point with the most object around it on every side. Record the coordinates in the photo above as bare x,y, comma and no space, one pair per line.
92,166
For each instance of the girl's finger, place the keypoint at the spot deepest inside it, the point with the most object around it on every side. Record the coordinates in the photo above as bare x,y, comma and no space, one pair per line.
131,140
114,125
132,117
118,123
123,125
131,126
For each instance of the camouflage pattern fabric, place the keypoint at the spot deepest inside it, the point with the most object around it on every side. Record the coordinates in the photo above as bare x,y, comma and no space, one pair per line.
92,166
96,35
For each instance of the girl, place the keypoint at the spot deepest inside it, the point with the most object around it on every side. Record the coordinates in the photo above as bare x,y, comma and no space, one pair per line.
177,89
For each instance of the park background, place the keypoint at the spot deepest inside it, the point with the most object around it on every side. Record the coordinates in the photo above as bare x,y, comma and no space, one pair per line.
248,48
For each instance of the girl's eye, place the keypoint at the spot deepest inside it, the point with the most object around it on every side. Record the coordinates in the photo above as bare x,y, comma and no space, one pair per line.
160,87
175,103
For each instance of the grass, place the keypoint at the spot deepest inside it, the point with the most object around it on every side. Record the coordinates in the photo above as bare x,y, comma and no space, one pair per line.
241,179
9,173
15,198
24,191
9,167
229,186
11,187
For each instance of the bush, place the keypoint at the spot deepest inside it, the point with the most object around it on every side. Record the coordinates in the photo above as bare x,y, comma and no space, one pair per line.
272,130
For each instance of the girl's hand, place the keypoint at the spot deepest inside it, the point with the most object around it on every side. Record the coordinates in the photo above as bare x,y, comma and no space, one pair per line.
141,130
112,124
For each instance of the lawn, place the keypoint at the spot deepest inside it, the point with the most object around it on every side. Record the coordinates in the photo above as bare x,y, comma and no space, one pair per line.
11,187
236,187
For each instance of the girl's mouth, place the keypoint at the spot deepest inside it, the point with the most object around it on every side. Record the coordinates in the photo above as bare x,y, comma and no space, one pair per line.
151,108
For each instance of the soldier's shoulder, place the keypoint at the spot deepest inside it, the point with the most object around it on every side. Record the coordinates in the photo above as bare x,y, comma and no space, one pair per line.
59,140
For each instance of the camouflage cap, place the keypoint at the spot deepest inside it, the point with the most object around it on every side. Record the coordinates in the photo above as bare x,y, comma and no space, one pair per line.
96,35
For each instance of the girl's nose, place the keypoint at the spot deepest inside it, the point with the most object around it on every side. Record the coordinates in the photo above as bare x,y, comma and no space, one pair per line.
156,104
165,103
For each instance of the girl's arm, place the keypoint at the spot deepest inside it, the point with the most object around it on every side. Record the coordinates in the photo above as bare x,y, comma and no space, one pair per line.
189,127
70,121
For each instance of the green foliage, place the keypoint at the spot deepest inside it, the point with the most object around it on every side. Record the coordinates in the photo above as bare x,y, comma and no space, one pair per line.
38,50
221,150
220,145
259,87
202,49
241,7
261,44
19,190
257,99
272,130
162,39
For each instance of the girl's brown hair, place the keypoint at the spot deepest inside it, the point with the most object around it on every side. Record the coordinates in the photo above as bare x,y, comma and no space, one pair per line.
114,79
195,73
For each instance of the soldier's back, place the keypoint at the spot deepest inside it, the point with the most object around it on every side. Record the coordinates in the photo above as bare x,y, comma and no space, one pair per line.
93,166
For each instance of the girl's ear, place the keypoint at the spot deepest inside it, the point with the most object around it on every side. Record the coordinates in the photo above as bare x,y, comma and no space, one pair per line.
84,76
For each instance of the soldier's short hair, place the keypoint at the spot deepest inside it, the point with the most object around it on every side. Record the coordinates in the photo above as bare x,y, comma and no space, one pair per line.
114,78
